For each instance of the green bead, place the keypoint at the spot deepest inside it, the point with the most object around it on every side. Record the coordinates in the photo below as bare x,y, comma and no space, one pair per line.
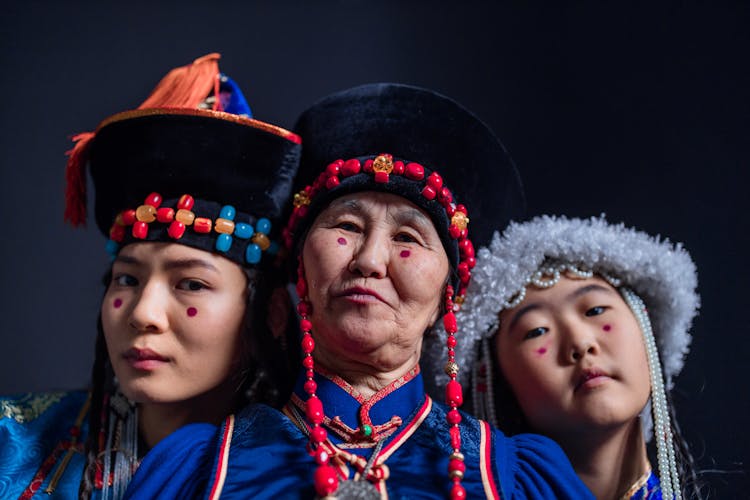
367,430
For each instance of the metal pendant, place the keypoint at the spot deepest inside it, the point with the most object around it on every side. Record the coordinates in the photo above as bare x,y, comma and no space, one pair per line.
356,490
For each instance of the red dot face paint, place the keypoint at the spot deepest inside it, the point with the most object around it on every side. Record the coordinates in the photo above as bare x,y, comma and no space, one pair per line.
117,303
607,328
405,253
192,311
541,350
341,241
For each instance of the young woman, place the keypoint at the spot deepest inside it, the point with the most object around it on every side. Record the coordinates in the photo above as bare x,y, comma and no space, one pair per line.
383,253
585,326
188,190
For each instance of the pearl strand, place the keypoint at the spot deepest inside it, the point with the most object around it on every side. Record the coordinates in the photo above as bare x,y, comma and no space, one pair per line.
667,464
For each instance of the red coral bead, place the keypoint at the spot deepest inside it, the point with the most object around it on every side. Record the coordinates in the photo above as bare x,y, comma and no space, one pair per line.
333,169
325,480
451,341
314,410
471,262
466,248
454,231
165,214
176,229
351,167
305,325
435,181
456,464
429,192
367,167
382,177
449,322
301,288
304,308
445,196
140,230
454,417
461,208
455,438
185,202
318,434
414,171
332,182
128,217
154,199
321,456
308,344
308,362
398,167
311,386
454,393
117,233
458,492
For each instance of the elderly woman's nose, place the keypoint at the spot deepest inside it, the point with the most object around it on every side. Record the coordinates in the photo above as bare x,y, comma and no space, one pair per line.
370,258
149,310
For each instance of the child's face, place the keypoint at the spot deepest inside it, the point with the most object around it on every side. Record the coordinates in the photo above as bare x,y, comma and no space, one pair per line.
574,356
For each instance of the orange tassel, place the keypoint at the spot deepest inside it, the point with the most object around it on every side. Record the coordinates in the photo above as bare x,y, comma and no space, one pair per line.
75,179
186,86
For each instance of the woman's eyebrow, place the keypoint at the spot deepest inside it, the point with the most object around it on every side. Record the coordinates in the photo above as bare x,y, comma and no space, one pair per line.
189,263
411,216
126,259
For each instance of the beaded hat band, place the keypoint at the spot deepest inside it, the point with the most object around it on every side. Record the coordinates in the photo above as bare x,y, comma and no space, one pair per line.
239,237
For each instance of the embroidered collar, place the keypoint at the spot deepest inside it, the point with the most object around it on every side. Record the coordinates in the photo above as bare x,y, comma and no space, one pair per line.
359,422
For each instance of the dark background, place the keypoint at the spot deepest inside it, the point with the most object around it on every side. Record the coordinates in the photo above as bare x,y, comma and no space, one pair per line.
640,112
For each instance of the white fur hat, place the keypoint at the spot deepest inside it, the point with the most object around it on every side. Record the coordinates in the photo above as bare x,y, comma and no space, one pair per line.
660,272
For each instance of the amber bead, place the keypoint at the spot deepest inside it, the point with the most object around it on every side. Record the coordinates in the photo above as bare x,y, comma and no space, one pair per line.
146,213
185,216
224,226
202,225
261,240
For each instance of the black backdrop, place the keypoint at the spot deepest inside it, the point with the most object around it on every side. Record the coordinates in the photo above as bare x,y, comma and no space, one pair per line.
640,112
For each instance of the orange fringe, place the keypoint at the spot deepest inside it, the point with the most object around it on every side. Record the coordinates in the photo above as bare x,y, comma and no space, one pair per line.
75,179
186,86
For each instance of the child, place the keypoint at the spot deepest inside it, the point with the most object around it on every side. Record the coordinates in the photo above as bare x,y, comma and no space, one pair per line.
584,325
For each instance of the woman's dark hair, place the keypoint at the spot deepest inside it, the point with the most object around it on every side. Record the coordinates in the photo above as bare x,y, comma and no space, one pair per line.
265,375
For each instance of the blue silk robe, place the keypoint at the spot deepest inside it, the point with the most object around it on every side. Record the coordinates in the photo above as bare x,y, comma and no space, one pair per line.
261,453
35,436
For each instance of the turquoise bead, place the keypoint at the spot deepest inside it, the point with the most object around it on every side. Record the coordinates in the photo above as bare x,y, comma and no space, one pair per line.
223,242
112,247
263,225
242,230
253,253
227,212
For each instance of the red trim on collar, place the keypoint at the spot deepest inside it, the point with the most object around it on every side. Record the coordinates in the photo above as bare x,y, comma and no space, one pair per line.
221,468
485,461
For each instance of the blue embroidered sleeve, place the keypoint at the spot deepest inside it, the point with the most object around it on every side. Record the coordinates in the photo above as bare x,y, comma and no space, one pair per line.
177,467
536,467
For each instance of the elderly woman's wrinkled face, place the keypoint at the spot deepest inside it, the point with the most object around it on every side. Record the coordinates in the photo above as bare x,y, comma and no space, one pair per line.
574,356
376,270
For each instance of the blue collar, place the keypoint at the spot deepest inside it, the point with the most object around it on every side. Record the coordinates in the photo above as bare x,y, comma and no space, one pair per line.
348,412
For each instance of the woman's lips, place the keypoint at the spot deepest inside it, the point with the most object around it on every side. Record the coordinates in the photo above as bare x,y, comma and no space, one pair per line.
360,295
144,359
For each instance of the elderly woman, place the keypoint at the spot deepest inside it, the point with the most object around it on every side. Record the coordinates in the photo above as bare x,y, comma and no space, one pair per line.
187,187
382,254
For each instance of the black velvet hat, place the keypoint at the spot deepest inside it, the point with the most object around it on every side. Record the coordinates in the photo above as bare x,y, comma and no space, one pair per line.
188,166
457,158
